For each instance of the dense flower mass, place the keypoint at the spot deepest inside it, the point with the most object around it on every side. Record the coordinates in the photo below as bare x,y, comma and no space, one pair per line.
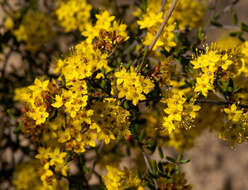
179,113
106,24
106,91
35,30
27,176
73,14
132,86
119,180
51,159
187,14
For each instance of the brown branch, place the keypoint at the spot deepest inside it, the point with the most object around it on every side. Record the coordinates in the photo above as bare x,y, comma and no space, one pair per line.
98,151
216,102
147,51
4,63
163,5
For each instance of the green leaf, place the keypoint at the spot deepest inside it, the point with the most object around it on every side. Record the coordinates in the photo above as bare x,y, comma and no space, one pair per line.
144,4
234,18
11,114
237,89
63,80
184,161
18,128
215,23
236,34
160,151
216,16
141,135
229,89
152,146
154,167
179,158
244,27
170,159
126,106
85,169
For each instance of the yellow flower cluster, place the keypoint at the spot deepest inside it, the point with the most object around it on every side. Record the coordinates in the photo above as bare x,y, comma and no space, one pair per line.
182,138
73,99
188,13
73,14
152,21
231,58
178,112
105,121
105,22
132,85
208,64
53,162
36,99
111,119
9,23
82,63
27,176
35,30
73,122
120,180
236,129
234,115
243,69
79,132
237,51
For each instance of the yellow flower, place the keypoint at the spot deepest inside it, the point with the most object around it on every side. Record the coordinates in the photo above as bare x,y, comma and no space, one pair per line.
57,157
58,102
188,13
233,113
203,85
117,179
74,14
9,23
132,85
39,115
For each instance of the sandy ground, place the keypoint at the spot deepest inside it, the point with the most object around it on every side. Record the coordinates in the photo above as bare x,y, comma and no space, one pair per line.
216,166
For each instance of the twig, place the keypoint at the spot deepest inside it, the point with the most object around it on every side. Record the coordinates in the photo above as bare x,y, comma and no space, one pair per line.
148,165
220,103
5,63
163,25
147,51
163,5
227,27
95,161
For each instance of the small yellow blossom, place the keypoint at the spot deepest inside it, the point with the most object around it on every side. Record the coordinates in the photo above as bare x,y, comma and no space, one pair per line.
58,102
9,23
74,14
233,113
35,30
132,85
120,180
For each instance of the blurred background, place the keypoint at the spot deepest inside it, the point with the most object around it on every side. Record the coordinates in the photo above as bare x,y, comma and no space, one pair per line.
214,164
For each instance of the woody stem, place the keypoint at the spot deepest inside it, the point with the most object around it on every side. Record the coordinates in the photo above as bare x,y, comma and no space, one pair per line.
161,28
